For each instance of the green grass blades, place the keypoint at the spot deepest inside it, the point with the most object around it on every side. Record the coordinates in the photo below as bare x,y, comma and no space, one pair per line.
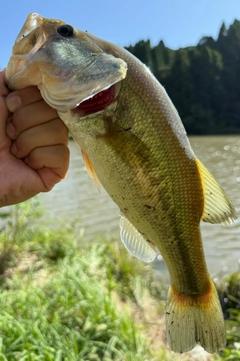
65,299
55,299
71,317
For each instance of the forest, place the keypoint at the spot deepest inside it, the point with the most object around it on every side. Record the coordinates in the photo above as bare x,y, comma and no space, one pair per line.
203,81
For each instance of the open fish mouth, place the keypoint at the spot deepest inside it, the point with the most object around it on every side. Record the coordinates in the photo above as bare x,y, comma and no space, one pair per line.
28,42
65,64
98,102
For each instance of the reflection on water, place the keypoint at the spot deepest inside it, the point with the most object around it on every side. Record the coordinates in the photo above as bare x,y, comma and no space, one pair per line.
77,199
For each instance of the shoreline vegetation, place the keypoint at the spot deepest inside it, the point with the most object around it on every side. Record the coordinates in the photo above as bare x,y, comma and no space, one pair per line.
201,80
63,299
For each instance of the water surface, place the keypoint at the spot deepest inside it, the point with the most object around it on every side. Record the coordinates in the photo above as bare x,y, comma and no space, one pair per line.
76,199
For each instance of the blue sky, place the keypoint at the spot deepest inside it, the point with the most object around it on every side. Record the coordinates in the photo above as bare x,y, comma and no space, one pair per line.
178,23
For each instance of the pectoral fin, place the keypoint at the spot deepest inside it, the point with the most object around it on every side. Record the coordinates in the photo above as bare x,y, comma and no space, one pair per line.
135,243
217,206
91,172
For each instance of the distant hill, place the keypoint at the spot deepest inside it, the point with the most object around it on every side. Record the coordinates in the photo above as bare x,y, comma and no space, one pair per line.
203,81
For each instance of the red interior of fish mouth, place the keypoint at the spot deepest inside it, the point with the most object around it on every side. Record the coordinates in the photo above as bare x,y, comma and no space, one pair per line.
98,102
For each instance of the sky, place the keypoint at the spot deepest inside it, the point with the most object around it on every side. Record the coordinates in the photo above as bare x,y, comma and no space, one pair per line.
178,23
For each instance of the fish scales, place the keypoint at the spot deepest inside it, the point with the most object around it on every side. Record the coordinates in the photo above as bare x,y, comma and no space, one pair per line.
134,144
155,178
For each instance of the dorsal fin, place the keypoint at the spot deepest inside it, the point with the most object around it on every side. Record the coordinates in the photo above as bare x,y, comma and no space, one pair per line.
91,172
135,243
217,206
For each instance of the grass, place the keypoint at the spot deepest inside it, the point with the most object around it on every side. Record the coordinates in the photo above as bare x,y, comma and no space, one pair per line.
62,299
230,285
70,317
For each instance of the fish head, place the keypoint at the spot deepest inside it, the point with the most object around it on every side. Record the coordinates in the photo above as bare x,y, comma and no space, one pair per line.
66,64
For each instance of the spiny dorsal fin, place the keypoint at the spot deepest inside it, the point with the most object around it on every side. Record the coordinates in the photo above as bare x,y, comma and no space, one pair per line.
135,243
217,206
91,172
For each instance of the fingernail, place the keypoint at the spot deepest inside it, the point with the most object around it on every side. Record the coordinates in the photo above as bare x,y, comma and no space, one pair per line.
13,102
14,149
10,130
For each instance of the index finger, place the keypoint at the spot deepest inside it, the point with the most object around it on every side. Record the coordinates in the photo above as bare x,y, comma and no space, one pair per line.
20,98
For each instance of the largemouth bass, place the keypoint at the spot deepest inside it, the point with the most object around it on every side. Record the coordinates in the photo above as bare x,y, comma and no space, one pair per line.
134,144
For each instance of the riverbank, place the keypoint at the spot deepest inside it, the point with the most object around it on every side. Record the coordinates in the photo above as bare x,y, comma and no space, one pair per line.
64,299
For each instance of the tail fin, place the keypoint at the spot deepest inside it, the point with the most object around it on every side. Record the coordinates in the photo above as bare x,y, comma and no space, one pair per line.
192,319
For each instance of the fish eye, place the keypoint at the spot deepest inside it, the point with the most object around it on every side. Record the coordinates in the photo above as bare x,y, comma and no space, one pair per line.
65,30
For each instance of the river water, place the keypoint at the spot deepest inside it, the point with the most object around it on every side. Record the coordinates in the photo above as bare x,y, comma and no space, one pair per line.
76,200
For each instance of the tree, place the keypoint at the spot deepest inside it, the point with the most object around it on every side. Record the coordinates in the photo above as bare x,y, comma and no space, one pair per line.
202,80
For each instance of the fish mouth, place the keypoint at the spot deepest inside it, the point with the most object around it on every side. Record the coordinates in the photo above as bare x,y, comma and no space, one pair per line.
71,72
98,102
18,71
28,42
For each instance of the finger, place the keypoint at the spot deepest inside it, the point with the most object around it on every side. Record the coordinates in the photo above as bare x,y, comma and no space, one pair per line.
55,158
51,133
4,113
28,117
49,179
3,89
4,141
21,98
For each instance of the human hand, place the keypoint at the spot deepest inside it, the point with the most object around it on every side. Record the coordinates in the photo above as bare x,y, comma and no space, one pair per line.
33,145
